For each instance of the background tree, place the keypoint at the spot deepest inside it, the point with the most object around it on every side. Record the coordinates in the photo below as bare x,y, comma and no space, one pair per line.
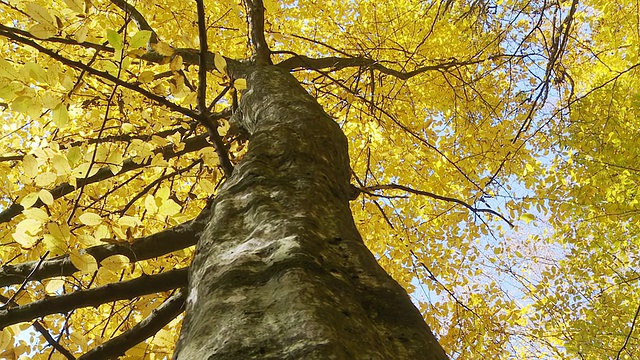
462,119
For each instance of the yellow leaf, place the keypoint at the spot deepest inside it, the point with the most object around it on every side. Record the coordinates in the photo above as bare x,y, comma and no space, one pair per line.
53,286
43,31
129,221
145,76
527,217
46,197
54,245
115,262
30,166
150,204
169,207
220,63
60,116
102,232
207,186
163,48
61,164
46,179
75,5
90,218
81,34
36,213
115,162
80,172
50,101
29,226
163,338
6,338
26,241
39,14
176,63
83,262
29,200
159,160
114,39
240,84
7,70
88,241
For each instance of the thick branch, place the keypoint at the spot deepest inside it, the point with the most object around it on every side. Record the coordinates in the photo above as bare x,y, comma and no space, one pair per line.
337,63
93,297
434,196
158,244
256,24
192,144
159,317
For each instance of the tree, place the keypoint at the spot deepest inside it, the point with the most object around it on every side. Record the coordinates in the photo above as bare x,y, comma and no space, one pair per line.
485,151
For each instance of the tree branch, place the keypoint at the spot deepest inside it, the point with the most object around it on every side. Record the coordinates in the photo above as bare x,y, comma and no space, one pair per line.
338,63
10,301
158,244
191,144
137,17
626,339
256,25
159,317
143,285
51,341
434,196
203,110
8,33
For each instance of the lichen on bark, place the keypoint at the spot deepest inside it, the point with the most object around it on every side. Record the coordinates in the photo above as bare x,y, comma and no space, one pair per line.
281,271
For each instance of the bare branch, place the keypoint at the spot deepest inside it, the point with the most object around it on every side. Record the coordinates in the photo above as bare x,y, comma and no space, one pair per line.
437,197
143,285
159,317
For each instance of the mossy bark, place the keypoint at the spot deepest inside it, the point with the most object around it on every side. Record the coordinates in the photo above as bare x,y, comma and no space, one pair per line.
281,271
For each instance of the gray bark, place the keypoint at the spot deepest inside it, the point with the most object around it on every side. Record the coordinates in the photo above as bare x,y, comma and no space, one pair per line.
281,271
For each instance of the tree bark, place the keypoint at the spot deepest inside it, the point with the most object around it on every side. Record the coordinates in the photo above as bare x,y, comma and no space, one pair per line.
281,271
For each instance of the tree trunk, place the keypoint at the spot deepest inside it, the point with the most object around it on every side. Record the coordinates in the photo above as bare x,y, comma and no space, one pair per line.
281,271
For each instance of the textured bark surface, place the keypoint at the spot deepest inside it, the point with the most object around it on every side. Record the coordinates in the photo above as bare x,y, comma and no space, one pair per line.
281,271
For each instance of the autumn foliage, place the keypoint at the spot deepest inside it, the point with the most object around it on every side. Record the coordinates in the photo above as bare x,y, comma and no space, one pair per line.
493,150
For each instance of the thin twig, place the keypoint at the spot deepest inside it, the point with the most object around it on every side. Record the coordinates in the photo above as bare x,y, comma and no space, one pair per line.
437,197
24,283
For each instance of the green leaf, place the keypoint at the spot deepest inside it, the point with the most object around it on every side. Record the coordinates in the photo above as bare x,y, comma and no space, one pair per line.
114,39
140,39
